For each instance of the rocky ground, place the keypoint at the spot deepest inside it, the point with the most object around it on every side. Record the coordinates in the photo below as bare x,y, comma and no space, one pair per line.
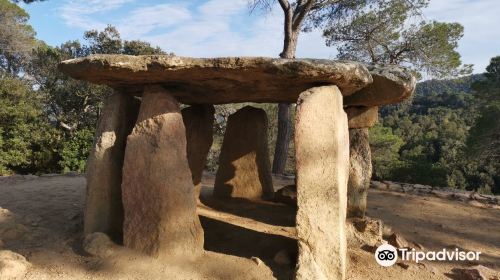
41,224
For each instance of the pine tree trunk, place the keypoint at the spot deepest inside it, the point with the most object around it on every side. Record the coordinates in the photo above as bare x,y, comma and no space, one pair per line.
283,138
284,120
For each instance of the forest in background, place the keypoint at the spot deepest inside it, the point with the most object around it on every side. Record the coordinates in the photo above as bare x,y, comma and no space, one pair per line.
447,135
442,137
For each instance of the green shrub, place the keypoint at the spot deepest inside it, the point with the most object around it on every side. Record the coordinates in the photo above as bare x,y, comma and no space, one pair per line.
75,150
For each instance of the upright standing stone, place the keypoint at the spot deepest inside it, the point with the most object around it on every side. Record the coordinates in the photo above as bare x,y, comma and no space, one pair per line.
199,122
244,168
104,209
158,192
322,162
360,172
361,117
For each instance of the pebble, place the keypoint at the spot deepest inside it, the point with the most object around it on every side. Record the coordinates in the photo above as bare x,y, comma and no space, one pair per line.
12,265
257,261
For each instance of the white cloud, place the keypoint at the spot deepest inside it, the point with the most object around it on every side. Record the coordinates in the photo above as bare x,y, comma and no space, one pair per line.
221,8
215,28
212,33
209,32
143,20
206,30
226,28
77,13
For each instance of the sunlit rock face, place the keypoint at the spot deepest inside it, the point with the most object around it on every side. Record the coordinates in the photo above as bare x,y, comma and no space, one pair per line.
245,79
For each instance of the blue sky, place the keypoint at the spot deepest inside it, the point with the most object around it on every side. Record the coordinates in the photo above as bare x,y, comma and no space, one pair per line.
205,28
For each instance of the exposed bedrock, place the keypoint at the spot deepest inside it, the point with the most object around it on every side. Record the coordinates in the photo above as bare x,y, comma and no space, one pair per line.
199,121
244,167
104,209
158,192
322,162
360,172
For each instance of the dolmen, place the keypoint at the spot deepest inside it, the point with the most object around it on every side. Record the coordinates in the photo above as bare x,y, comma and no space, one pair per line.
145,168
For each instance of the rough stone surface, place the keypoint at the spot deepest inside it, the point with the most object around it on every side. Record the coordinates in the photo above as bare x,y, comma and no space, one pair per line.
477,272
469,274
99,244
362,117
199,121
387,231
220,80
398,241
244,167
322,162
393,186
158,192
378,185
104,209
403,265
364,231
287,195
257,261
360,172
391,84
12,265
11,230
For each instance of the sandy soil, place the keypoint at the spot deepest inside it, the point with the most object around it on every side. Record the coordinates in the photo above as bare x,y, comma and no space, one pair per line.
41,219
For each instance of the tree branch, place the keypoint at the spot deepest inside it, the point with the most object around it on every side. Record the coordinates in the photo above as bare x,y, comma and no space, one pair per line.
264,4
66,126
300,12
284,5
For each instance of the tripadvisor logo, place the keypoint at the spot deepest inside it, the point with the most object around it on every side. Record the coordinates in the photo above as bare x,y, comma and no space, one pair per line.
387,255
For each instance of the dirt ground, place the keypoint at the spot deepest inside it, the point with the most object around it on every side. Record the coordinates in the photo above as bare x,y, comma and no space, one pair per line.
41,219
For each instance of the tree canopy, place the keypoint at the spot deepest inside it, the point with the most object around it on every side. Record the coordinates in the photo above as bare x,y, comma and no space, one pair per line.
441,137
47,119
484,137
17,37
393,32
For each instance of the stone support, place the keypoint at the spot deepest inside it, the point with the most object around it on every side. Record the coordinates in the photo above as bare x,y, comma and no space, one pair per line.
158,192
360,172
244,167
322,160
199,121
362,117
104,209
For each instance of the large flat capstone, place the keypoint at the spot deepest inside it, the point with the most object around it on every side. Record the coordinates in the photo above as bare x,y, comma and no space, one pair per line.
391,84
234,79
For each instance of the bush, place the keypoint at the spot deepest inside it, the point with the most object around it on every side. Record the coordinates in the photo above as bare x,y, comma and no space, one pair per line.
26,138
75,150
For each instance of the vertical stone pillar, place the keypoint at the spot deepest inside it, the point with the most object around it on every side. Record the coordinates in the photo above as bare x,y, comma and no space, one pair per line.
322,155
244,167
158,192
199,122
360,172
104,209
